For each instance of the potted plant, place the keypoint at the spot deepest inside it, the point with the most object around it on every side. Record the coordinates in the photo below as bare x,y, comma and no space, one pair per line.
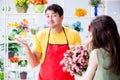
20,28
13,49
38,5
21,5
1,70
14,62
95,4
23,63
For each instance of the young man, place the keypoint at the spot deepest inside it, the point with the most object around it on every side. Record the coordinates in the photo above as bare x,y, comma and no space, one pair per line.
50,44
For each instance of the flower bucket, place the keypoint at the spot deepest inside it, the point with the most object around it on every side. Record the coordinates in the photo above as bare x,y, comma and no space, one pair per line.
39,8
21,9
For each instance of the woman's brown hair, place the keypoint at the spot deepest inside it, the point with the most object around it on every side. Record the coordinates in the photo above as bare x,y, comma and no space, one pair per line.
105,35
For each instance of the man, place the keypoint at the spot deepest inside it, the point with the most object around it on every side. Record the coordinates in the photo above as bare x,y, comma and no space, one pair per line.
50,44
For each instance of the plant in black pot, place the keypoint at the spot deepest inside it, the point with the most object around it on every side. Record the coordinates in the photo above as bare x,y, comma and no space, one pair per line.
23,63
13,49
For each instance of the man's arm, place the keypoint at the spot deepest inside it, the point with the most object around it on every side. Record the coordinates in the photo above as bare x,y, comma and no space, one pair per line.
33,57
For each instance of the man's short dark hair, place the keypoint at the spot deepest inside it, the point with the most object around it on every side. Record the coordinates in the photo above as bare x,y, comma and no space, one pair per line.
56,8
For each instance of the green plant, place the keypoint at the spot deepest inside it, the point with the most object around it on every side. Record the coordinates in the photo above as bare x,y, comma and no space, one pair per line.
34,30
1,70
95,2
19,29
6,8
21,2
1,66
22,63
14,47
1,75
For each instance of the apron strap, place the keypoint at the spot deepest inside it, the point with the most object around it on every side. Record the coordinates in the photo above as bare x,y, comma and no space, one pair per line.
64,33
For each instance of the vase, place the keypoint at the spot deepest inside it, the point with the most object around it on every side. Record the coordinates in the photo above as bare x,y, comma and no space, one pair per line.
39,8
21,9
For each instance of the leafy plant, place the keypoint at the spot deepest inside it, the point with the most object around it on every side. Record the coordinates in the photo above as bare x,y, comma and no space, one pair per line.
95,2
22,63
21,2
34,30
1,70
1,75
13,47
20,28
1,65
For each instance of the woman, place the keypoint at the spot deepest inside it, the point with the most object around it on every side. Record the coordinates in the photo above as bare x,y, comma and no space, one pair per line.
105,55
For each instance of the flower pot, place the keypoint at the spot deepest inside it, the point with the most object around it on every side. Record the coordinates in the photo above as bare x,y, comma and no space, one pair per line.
23,75
14,65
21,9
39,8
10,54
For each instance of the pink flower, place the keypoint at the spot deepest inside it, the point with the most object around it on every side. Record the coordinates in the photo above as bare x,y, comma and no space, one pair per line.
75,60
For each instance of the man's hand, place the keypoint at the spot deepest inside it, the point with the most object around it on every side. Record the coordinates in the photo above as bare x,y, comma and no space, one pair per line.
22,41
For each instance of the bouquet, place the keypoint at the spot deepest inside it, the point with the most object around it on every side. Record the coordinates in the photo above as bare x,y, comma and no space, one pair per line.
75,60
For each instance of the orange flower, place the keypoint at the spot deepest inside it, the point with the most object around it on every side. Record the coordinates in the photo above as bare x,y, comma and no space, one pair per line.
14,59
36,2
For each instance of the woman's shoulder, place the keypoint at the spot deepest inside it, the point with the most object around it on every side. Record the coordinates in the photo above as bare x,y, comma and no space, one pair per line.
100,50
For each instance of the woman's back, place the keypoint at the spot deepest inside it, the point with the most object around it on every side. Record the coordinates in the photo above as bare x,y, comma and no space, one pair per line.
103,72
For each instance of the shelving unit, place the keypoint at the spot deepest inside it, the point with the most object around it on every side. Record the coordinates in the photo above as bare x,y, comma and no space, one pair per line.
10,72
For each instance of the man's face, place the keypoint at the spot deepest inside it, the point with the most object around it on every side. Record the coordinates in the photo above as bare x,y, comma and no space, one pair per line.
53,19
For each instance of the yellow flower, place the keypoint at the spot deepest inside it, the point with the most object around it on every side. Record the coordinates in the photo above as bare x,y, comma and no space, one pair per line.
14,24
25,20
80,12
